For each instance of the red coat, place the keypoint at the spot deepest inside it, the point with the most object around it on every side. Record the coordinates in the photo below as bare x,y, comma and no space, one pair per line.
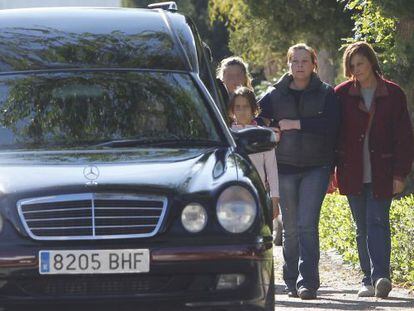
391,142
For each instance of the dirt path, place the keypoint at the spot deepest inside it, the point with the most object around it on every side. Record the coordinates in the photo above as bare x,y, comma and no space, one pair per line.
338,291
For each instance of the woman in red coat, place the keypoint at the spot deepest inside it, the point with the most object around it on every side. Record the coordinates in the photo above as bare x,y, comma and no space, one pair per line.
375,154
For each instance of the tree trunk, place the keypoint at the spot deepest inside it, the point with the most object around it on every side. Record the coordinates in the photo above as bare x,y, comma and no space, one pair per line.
405,36
326,67
405,32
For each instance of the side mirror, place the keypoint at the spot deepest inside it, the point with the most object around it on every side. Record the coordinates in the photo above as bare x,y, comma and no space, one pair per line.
255,139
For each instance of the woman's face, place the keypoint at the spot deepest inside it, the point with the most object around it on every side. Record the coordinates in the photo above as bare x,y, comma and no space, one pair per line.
233,77
242,111
361,68
300,65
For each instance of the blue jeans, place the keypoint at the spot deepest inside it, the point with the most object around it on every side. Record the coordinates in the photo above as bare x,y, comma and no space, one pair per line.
301,197
373,235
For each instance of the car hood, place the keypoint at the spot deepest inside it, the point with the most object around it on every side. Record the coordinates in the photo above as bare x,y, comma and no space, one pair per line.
180,170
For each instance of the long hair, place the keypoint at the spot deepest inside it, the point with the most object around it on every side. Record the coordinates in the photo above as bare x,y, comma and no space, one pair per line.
234,61
361,48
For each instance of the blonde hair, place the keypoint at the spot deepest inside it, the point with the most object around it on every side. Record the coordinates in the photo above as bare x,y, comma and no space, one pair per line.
303,46
234,61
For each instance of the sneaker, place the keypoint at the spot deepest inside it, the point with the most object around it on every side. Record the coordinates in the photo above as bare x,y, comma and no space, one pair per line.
293,293
382,288
306,294
366,291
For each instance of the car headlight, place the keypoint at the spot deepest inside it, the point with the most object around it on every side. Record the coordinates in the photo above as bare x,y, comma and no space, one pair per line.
194,217
236,209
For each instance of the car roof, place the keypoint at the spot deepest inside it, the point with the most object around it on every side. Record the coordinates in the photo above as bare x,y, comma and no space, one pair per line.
56,38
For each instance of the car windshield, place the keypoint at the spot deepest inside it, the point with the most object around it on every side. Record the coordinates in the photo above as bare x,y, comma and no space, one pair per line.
97,109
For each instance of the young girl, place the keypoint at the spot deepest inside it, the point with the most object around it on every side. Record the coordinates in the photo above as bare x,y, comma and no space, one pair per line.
243,109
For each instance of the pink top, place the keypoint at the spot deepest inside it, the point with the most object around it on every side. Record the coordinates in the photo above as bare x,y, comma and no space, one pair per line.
266,165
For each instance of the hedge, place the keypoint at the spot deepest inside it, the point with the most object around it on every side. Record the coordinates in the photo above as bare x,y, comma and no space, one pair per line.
337,231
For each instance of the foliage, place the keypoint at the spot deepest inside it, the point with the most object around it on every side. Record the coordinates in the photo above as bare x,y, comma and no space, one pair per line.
389,27
402,8
337,231
246,33
402,259
263,30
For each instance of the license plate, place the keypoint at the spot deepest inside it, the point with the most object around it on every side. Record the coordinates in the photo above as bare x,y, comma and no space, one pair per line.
94,261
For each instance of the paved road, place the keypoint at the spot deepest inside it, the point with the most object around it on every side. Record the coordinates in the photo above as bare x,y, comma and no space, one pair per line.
338,291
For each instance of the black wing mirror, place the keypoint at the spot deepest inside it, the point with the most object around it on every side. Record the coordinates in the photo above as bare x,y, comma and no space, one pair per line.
255,139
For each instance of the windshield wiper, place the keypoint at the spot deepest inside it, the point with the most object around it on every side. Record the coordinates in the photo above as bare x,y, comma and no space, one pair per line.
124,143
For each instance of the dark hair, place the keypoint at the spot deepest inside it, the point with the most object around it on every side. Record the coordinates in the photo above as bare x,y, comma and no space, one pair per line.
364,49
303,46
234,61
247,93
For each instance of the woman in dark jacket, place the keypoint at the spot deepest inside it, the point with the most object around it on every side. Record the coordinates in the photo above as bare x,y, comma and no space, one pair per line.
305,110
375,153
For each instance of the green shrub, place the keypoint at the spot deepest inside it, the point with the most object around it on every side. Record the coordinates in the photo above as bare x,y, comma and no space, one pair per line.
337,231
402,240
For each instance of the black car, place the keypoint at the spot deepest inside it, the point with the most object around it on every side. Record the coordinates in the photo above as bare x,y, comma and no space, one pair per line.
119,179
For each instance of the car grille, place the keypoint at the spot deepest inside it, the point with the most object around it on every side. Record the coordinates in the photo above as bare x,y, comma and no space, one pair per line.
92,216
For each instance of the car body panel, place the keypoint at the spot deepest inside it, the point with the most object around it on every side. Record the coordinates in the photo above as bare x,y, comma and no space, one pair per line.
184,267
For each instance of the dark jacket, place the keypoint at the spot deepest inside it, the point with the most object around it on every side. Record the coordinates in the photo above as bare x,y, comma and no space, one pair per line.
223,92
318,112
390,138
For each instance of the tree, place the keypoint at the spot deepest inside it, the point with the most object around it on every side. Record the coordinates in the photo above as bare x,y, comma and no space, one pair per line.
263,30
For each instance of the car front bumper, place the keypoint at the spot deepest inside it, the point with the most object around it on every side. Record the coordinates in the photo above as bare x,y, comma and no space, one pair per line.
185,276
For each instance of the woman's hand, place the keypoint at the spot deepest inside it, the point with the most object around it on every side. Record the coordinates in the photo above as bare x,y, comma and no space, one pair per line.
275,203
286,125
397,186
